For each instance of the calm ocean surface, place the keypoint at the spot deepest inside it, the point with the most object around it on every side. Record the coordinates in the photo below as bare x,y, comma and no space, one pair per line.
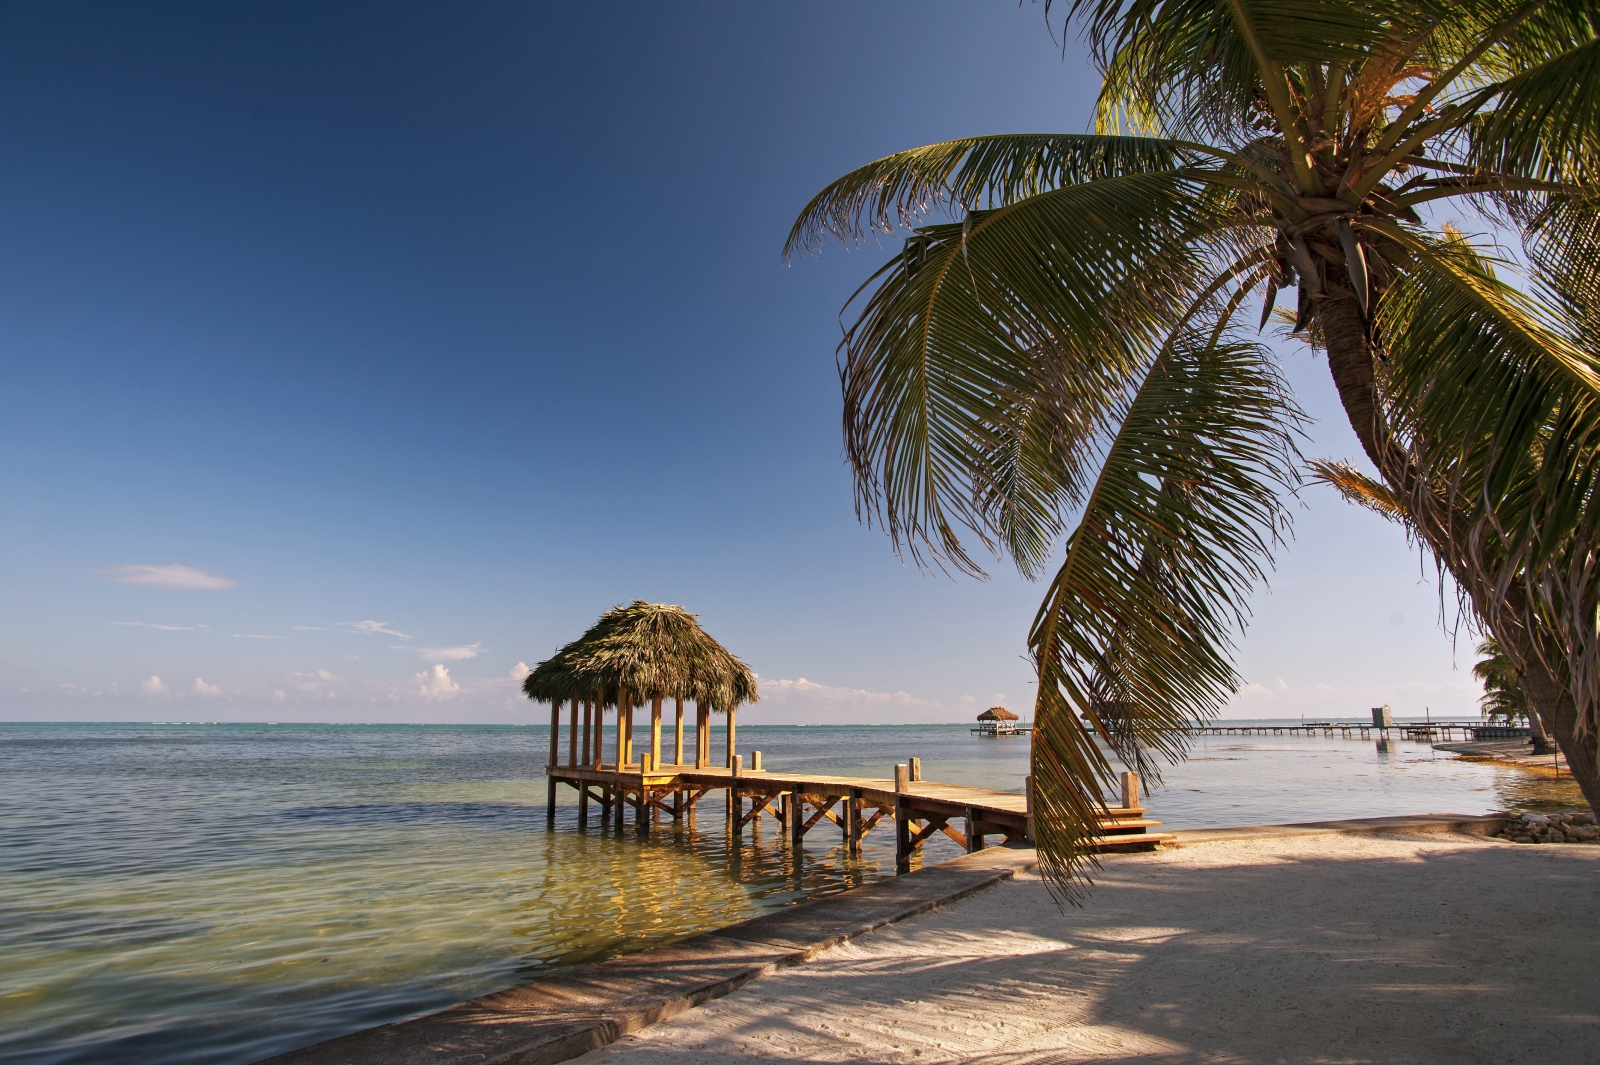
221,893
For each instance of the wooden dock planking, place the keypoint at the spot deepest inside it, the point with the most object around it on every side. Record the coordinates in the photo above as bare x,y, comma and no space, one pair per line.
919,808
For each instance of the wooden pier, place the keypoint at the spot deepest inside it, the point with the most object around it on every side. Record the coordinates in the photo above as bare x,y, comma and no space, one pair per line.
917,809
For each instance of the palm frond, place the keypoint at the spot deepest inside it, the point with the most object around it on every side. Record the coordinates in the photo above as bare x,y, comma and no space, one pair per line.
1010,335
1546,122
1502,415
1195,66
1356,487
904,189
1134,637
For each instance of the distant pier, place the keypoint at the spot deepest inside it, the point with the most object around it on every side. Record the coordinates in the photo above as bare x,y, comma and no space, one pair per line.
1418,730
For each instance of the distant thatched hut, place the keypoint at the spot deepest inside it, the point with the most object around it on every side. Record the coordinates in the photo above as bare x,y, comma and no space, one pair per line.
637,653
998,719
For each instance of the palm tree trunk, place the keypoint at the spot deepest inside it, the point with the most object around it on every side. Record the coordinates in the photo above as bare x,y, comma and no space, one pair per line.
1544,691
1541,738
1350,360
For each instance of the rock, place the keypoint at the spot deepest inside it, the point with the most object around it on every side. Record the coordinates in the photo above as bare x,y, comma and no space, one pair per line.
1583,833
1535,820
1583,819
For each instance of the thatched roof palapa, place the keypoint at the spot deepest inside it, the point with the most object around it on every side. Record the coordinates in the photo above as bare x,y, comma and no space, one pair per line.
648,650
997,713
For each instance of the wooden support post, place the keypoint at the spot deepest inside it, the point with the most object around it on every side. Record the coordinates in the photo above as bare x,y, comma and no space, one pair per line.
555,730
852,824
902,820
733,748
550,802
915,767
605,806
755,761
625,729
974,837
797,819
583,804
702,735
1130,790
1027,799
677,730
735,803
572,739
588,722
655,730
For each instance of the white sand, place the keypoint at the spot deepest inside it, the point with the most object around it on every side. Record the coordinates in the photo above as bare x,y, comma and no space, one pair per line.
1315,949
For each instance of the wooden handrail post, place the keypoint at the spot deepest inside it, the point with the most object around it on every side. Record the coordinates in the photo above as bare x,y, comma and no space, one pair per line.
914,765
1130,790
755,761
702,735
733,747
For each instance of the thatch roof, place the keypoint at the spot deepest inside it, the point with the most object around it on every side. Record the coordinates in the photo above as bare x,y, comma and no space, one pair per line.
648,650
997,713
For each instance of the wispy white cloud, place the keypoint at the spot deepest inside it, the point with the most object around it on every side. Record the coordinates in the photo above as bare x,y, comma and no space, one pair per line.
309,628
436,684
319,675
175,577
372,628
163,628
153,686
203,689
448,654
519,672
803,700
256,636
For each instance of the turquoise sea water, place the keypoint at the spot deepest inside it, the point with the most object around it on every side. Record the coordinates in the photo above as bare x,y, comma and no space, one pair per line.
220,893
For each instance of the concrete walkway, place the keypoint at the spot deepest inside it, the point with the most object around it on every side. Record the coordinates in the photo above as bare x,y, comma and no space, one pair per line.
1320,947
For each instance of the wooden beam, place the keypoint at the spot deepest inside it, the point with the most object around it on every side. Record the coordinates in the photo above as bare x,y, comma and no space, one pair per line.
760,803
696,797
824,809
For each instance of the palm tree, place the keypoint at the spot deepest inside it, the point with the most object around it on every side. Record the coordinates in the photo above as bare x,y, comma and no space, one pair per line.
1502,692
1068,344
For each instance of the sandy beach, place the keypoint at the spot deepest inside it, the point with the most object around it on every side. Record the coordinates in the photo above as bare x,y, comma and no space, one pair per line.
1328,948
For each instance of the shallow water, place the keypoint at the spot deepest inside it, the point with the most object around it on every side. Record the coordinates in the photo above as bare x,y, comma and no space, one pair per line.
222,893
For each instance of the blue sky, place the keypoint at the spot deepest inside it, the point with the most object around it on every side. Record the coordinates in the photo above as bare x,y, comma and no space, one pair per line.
356,353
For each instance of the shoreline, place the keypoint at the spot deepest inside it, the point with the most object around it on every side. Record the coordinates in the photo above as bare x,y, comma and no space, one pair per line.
566,1016
1512,753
